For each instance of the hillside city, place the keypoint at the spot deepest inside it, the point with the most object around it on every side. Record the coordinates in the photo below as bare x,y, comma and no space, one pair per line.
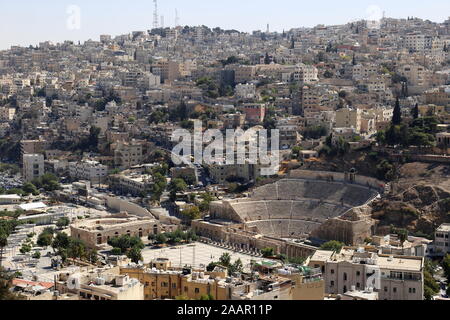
95,204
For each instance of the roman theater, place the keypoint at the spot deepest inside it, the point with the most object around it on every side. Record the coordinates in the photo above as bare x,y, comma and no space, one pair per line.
286,214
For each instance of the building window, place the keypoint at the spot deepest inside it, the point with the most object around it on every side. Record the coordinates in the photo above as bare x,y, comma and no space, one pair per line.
174,285
345,276
358,273
395,290
332,284
385,289
197,290
332,271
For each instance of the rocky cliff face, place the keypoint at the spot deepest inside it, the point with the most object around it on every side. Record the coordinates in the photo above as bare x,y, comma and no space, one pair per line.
420,209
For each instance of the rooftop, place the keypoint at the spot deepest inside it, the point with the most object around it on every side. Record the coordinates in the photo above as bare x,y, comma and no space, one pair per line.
400,263
322,255
444,228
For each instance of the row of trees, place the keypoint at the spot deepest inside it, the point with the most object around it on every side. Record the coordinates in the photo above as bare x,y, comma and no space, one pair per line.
420,132
129,246
175,237
65,246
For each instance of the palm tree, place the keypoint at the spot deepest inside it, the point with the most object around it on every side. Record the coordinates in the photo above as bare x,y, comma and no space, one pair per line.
225,259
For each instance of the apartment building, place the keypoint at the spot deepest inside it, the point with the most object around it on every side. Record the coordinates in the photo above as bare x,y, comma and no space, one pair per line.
131,183
254,113
162,281
7,114
442,239
301,73
221,173
349,118
361,72
393,277
289,134
92,171
245,91
128,154
415,41
416,74
243,74
233,121
167,70
439,96
32,146
99,285
33,166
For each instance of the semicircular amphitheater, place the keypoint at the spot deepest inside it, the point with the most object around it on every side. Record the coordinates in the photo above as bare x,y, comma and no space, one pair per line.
294,208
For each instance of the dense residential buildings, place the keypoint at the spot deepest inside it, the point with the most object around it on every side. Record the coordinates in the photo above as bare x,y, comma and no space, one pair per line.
106,194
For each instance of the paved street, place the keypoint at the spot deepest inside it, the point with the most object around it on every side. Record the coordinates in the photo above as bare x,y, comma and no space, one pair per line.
204,254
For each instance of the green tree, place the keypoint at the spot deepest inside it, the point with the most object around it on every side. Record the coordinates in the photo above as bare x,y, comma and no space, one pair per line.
159,186
177,185
3,244
431,287
63,222
45,239
116,252
397,118
332,246
225,260
415,112
135,255
236,267
6,285
30,189
446,267
77,249
25,248
268,252
61,241
192,213
161,238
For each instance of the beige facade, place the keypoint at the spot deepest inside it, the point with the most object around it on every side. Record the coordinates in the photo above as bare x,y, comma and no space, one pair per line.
128,154
100,284
442,236
349,118
33,166
393,277
97,233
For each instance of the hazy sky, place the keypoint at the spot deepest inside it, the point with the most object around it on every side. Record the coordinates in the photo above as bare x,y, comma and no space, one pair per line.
25,22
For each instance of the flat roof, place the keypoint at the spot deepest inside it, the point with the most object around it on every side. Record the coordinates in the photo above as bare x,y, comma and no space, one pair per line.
9,196
322,255
32,206
400,263
444,228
